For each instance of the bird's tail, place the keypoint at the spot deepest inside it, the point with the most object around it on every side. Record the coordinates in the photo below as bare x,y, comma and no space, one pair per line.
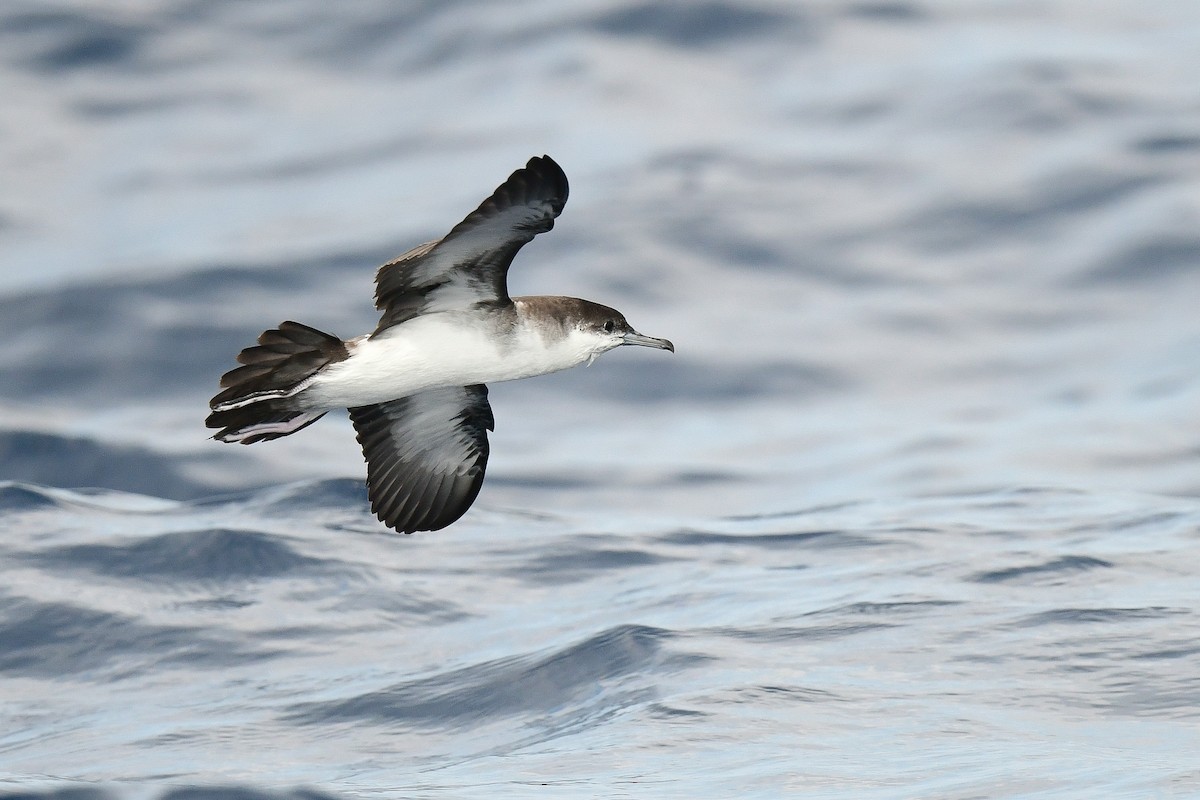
258,400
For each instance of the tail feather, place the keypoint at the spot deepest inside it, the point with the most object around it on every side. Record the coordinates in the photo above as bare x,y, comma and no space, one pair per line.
257,399
259,422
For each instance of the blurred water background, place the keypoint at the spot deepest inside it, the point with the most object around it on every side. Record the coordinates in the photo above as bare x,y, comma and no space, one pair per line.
914,512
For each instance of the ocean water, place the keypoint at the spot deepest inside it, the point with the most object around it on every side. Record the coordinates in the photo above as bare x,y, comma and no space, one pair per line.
914,511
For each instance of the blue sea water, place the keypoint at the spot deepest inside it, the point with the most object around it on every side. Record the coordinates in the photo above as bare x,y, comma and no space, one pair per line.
914,512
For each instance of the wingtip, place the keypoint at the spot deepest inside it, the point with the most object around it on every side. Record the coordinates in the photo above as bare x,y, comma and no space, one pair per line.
549,171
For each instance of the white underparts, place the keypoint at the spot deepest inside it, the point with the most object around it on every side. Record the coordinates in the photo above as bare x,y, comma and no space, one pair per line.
447,349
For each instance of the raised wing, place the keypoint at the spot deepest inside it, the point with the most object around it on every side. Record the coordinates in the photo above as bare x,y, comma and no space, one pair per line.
469,265
426,455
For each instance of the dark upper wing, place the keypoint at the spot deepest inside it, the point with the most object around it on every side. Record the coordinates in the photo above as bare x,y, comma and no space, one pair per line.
469,265
426,455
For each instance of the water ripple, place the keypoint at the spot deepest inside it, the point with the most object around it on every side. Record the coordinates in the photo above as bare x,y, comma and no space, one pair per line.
202,555
50,639
518,686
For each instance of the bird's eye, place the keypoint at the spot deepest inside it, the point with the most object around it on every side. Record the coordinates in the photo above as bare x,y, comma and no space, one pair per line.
608,326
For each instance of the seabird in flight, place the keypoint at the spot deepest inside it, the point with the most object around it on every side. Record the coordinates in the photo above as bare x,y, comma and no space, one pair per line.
416,386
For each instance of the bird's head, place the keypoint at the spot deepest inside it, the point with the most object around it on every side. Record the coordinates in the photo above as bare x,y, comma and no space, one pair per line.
576,331
606,328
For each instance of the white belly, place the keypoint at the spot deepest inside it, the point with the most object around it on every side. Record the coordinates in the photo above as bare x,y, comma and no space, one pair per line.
431,351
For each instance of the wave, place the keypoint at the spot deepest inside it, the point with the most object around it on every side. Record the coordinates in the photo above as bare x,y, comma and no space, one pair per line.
73,461
601,670
54,639
89,792
216,554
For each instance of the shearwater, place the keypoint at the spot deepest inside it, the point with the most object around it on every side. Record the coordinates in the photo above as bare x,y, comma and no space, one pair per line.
416,386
